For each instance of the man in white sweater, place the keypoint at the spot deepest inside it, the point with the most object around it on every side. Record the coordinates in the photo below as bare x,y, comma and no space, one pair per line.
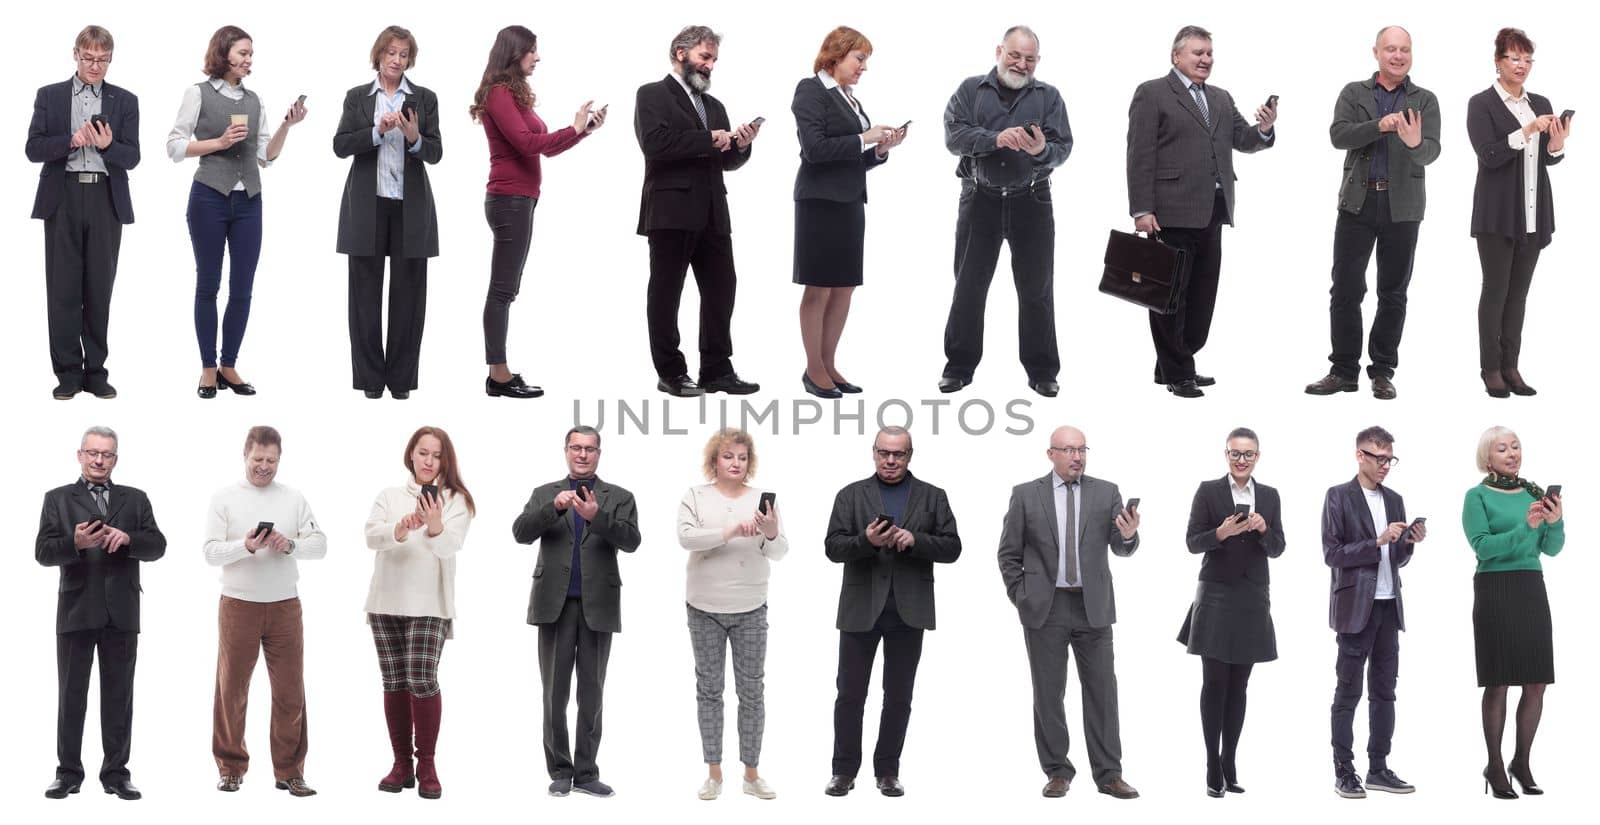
255,531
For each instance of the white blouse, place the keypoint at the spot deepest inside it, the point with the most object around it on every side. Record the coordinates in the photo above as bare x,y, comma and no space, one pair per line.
725,576
415,577
1522,109
189,115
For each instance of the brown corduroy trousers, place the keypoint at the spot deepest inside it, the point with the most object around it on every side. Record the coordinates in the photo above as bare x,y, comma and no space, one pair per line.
246,630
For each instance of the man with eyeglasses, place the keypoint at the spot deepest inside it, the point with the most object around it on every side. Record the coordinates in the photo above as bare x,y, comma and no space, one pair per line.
86,133
580,523
1366,540
1053,561
888,531
97,533
1010,131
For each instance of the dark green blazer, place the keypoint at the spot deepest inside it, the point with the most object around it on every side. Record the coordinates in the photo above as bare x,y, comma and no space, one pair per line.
1355,130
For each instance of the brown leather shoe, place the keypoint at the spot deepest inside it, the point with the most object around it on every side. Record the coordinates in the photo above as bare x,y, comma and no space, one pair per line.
1119,789
1383,389
1057,787
296,786
1330,384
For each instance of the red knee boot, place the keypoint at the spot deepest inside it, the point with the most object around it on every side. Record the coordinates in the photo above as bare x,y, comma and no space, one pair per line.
425,717
397,712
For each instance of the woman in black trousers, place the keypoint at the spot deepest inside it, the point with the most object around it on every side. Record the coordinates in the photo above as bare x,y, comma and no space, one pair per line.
1235,523
390,129
1517,137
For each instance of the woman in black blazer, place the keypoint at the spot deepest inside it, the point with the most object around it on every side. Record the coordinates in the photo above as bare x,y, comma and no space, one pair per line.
1235,522
390,128
1516,135
837,147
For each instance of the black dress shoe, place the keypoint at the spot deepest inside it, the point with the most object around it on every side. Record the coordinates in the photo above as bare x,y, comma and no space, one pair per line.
123,789
101,390
206,391
1383,389
1199,380
952,383
65,392
61,787
818,391
400,395
374,394
847,387
1048,389
840,785
1496,388
1517,386
1330,384
679,386
731,384
1187,388
515,388
890,786
241,388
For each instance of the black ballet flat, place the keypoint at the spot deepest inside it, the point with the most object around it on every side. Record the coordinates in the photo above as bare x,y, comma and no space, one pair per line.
206,391
241,388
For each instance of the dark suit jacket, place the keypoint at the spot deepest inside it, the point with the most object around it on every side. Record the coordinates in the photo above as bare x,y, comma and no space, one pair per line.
50,143
869,571
1355,130
1174,161
97,589
1030,557
1497,198
358,209
1244,555
683,186
1350,547
615,527
833,166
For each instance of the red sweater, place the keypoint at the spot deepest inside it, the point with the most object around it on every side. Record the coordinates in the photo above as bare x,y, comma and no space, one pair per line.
517,137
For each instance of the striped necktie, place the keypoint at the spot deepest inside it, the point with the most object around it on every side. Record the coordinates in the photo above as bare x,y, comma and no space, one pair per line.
1199,92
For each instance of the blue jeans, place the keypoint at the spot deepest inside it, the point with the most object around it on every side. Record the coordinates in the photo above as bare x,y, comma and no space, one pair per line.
217,221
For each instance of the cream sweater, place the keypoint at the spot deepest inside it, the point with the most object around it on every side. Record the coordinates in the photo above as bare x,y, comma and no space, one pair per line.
725,576
265,575
415,577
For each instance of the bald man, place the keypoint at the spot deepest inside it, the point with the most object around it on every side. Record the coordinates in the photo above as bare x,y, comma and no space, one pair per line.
1053,561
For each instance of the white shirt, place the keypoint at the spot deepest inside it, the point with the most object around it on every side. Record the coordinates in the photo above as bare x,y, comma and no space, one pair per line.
1062,490
189,114
391,144
1522,108
830,84
265,575
415,577
725,576
1245,494
1380,523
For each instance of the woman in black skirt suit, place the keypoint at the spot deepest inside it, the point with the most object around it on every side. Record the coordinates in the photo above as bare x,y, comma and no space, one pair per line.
837,147
1235,523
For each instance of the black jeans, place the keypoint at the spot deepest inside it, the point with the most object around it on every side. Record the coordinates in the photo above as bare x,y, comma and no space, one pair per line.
902,651
1507,273
1353,239
511,220
1026,222
1376,650
1180,335
81,241
371,367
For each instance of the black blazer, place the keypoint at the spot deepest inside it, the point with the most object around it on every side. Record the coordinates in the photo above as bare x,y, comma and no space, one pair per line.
1350,547
833,166
1497,197
97,589
50,143
1244,555
358,209
683,186
614,528
869,571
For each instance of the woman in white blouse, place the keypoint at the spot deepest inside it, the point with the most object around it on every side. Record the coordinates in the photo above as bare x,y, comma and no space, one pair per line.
226,126
731,539
416,529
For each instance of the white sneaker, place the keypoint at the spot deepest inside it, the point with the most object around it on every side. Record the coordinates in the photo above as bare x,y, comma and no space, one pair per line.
759,789
711,788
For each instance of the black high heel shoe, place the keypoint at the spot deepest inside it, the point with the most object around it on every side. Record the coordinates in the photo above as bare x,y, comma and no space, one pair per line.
1501,391
1499,793
241,388
1214,787
1514,382
1230,775
1524,777
818,390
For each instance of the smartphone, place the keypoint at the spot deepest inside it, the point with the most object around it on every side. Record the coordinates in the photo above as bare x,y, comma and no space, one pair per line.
596,113
262,529
1272,102
431,491
1566,116
1553,492
1031,126
408,110
768,500
95,524
1241,512
100,120
583,492
300,101
904,125
882,518
1133,504
760,120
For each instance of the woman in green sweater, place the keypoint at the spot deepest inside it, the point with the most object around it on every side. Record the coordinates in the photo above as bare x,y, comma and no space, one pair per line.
1510,522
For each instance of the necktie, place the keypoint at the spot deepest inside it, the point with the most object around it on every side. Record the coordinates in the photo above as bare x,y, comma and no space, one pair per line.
1199,91
700,108
1071,573
98,491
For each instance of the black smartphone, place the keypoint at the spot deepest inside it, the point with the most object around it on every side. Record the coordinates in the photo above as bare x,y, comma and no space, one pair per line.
1567,116
1241,512
95,524
300,101
1133,504
767,502
583,492
262,529
597,113
758,121
408,110
904,125
431,491
100,120
882,518
1272,102
1553,492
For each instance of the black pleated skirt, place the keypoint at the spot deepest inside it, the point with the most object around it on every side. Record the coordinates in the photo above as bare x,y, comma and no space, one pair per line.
1230,621
829,242
1511,629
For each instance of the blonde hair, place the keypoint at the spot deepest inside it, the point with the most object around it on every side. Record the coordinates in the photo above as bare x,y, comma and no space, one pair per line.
725,437
1486,443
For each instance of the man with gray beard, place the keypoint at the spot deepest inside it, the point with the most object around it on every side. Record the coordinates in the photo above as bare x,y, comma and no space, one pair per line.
1010,131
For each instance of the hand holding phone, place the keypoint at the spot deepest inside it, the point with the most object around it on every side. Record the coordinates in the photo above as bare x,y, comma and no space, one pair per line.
768,501
1241,512
430,491
1416,531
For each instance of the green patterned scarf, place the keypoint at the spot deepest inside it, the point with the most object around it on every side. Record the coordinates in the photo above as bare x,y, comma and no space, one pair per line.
1500,482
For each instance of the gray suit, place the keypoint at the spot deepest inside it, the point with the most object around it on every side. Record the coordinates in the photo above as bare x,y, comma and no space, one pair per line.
1055,619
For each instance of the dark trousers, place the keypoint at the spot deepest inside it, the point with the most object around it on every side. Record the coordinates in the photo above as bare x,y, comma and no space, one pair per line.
672,252
1353,239
1376,650
1067,627
902,651
565,646
1507,273
1179,336
511,220
219,223
75,654
81,241
370,367
1025,221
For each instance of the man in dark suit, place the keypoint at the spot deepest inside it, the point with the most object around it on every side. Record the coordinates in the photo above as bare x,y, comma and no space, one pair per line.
888,531
1053,561
1366,540
580,523
86,133
1182,133
688,143
96,532
1389,129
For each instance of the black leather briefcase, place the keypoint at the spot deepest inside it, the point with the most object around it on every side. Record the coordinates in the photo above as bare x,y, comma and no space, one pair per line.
1144,271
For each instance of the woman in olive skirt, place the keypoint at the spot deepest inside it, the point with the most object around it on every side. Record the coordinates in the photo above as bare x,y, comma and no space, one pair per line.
1510,522
1234,523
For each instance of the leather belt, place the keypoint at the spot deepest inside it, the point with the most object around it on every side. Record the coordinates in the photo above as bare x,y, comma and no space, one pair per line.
1070,589
86,177
1042,184
1379,185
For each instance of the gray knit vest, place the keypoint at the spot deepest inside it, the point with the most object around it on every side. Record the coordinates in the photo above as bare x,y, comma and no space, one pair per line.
222,170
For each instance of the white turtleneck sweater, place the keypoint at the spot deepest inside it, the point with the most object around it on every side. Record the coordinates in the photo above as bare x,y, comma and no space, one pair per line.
265,575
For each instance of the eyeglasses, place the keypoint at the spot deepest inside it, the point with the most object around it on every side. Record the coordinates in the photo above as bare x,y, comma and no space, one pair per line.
1071,451
1381,460
582,449
897,455
1014,56
94,61
1244,455
96,455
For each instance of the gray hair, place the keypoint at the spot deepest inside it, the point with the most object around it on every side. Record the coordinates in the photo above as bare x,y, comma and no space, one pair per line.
103,432
894,430
1021,30
692,36
1187,33
1379,38
582,429
1244,432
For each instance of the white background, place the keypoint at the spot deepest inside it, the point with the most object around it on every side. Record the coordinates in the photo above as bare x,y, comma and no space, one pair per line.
577,330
